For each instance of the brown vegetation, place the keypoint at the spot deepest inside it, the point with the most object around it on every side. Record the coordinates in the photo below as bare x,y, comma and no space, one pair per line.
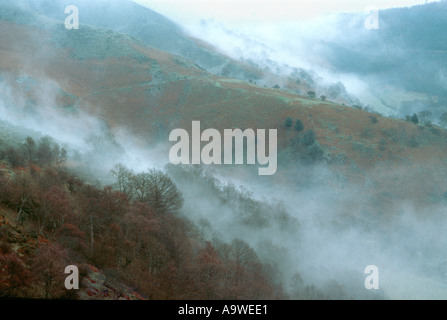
56,220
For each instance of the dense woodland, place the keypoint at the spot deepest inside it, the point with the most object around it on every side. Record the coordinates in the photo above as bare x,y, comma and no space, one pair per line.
131,231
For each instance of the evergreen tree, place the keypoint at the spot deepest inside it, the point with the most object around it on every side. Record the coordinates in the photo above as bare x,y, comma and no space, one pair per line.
299,125
289,122
415,118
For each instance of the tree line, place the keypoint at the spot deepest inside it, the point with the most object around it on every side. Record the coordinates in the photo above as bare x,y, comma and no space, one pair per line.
131,230
44,152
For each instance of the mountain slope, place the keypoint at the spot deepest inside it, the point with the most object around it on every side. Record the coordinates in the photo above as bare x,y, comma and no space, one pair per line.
151,92
366,187
154,30
408,53
127,17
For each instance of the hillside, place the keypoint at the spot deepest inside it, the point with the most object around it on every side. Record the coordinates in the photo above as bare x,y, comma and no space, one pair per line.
150,27
148,92
125,248
347,179
407,53
413,33
154,30
23,243
151,92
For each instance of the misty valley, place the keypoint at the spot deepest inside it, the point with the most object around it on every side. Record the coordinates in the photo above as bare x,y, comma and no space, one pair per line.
167,152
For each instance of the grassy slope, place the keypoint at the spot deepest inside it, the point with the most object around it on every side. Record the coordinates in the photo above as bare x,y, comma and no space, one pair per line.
151,92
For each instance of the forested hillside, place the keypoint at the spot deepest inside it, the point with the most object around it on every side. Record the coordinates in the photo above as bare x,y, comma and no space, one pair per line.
130,231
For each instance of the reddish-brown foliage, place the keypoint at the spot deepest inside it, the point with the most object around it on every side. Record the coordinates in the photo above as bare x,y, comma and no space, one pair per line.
159,254
14,276
48,267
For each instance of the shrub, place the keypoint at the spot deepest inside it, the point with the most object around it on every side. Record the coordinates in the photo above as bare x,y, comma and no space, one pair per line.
415,118
289,122
425,116
14,157
299,125
311,94
309,138
316,153
14,276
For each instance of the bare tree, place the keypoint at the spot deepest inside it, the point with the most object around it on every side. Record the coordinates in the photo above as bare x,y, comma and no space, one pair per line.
153,187
125,180
29,147
157,189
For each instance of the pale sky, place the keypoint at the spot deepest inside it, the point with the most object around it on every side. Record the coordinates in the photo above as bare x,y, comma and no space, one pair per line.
264,10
